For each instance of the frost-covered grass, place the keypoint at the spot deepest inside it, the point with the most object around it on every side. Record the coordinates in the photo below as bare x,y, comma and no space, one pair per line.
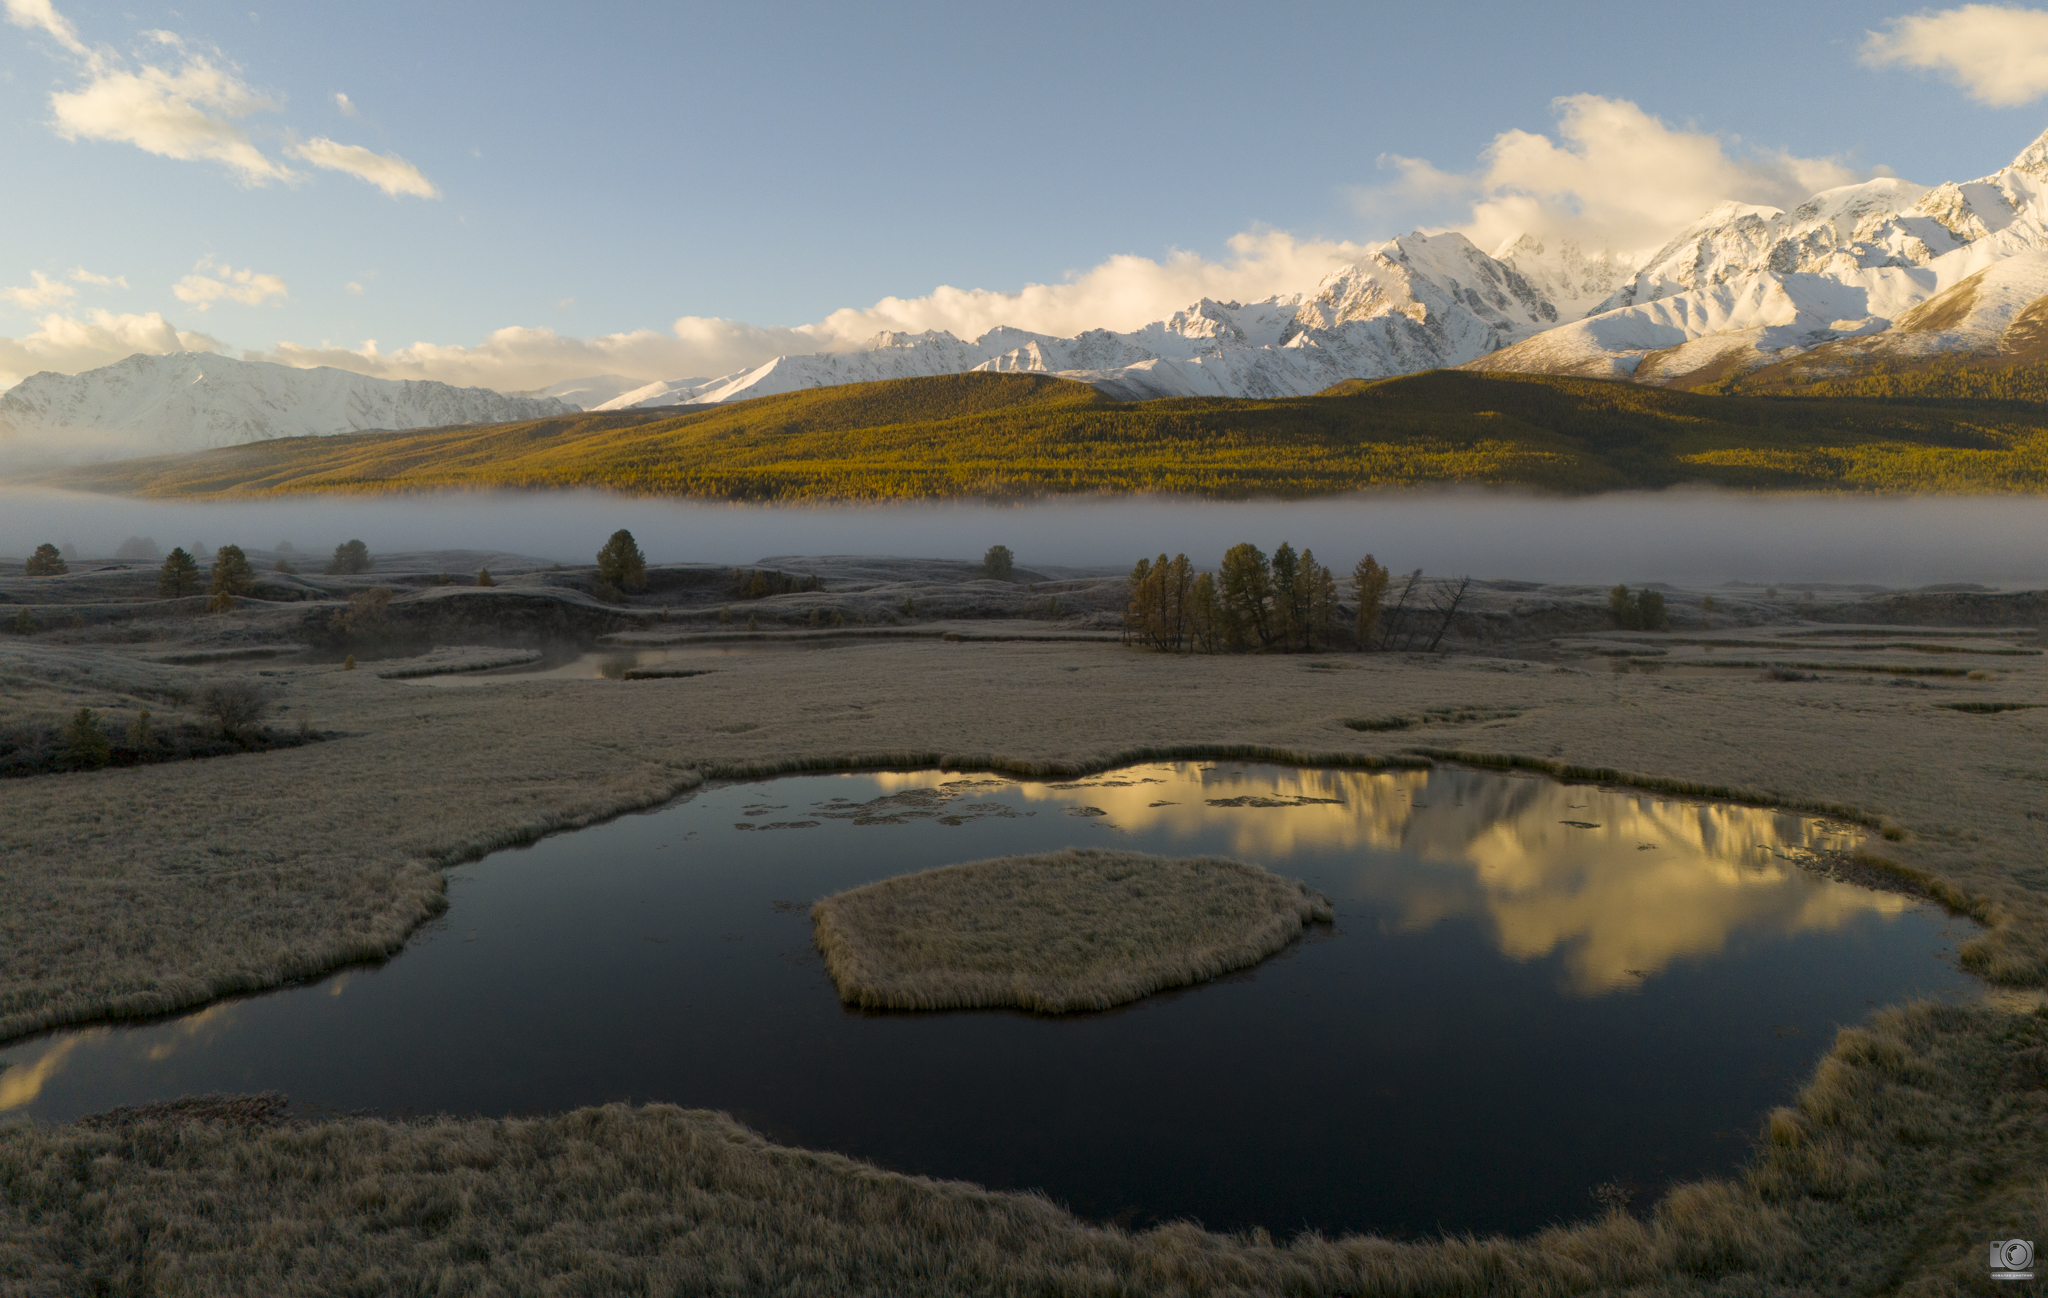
126,891
1080,929
1923,1134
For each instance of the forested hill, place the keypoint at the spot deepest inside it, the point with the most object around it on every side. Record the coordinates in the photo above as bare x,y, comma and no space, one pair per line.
1010,435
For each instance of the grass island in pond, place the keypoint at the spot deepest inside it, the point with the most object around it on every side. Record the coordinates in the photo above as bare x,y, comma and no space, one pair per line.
1079,929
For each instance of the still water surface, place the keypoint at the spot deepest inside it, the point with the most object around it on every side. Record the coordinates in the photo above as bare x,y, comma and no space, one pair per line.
1531,988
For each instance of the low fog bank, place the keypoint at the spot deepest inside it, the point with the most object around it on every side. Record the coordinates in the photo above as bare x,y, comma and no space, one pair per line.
1683,537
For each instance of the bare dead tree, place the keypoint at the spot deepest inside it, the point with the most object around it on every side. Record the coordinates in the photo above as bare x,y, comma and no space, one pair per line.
1445,600
1397,616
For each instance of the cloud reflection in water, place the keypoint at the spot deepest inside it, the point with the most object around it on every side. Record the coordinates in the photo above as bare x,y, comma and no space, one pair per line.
1620,883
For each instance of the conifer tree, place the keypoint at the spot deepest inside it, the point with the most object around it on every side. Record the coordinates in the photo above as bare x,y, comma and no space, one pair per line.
620,563
350,557
86,744
47,561
231,574
1368,591
1244,587
179,576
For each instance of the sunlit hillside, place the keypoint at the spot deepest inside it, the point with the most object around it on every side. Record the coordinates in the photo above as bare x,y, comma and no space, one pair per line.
998,435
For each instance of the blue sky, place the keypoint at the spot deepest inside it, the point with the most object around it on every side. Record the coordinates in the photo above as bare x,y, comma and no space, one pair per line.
604,171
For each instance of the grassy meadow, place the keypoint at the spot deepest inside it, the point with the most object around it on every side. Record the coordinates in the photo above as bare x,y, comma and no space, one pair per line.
1014,435
1079,929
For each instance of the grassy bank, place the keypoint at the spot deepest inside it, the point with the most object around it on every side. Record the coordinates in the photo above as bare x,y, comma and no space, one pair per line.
1002,435
1920,1138
1079,929
1922,1135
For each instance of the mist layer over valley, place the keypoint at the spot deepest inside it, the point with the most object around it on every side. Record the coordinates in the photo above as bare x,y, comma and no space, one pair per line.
1687,537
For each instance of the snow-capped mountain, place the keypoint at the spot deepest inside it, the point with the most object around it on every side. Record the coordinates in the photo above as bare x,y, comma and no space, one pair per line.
1740,287
187,401
1416,302
1746,286
1883,270
586,393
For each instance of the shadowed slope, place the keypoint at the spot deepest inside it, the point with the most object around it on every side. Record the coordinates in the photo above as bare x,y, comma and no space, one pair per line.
1007,435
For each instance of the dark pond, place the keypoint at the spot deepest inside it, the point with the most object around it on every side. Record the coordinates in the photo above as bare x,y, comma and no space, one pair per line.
632,664
1532,988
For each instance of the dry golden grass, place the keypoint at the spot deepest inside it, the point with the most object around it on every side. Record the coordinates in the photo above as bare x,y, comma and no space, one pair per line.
1080,929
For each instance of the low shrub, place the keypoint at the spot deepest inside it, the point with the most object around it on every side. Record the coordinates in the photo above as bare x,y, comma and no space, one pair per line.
234,704
53,750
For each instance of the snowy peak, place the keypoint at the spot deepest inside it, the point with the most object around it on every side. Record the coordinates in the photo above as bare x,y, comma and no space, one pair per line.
1838,231
188,401
1565,274
2033,160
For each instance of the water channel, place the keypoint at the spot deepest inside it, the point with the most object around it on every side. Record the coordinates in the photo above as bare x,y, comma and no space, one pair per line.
1532,988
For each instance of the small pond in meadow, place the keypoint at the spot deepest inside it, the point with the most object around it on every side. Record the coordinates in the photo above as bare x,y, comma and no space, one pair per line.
633,664
1532,988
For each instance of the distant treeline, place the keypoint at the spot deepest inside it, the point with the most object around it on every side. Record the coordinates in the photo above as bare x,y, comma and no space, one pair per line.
1020,435
1949,379
1288,603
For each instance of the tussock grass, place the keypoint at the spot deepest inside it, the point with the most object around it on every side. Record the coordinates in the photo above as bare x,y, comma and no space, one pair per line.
662,1200
1079,929
158,888
1922,1130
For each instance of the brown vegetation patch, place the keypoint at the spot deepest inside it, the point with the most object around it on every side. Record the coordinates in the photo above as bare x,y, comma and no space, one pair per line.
1079,929
1945,310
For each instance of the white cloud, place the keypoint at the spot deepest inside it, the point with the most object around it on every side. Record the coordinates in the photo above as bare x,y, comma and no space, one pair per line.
68,344
42,15
1121,293
192,111
212,280
188,113
1615,177
1996,53
517,359
84,276
44,292
353,289
388,172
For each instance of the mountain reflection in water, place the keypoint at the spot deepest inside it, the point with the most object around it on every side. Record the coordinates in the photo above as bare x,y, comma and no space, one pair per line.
1621,882
1532,988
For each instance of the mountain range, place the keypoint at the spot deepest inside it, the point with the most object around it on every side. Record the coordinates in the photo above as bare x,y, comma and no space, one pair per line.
186,401
1886,272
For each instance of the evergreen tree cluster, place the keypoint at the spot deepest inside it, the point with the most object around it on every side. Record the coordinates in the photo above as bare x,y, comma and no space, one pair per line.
1642,610
1286,603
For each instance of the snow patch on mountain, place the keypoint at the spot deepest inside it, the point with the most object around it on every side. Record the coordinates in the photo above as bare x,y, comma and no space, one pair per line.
588,392
1847,270
1416,302
188,401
